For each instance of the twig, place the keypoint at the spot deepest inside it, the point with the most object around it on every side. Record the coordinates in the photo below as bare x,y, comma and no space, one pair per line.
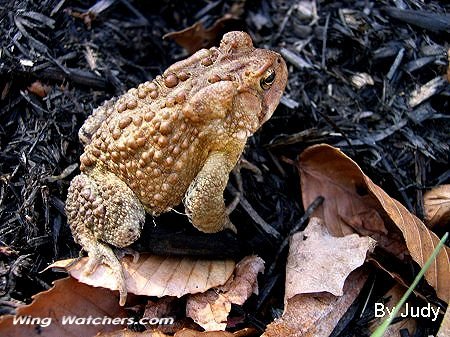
268,229
395,65
311,208
324,43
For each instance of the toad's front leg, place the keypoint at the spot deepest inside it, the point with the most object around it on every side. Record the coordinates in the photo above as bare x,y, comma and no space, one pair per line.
204,201
101,210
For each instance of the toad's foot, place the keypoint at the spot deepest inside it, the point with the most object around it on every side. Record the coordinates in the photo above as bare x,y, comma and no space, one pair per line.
103,254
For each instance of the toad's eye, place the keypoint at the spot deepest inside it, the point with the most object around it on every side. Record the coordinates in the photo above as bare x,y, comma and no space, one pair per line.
267,79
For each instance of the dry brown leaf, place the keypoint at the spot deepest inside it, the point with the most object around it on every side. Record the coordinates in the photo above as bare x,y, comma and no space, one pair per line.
39,89
444,330
181,333
210,309
162,307
437,207
156,275
319,262
66,298
394,295
354,203
245,280
196,37
316,315
193,333
129,333
167,306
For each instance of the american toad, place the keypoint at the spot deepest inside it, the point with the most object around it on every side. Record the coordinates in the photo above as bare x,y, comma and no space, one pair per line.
169,140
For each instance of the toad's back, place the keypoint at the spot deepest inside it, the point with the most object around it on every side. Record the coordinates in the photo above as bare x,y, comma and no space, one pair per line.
147,143
156,137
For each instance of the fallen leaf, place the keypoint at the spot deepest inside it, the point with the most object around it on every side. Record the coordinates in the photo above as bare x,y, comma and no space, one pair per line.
316,315
437,207
444,330
167,307
181,333
354,203
394,295
348,207
397,277
162,307
196,37
156,275
318,262
245,281
129,333
39,89
193,333
66,298
210,309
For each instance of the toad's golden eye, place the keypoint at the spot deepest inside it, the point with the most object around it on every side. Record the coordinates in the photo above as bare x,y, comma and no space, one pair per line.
267,79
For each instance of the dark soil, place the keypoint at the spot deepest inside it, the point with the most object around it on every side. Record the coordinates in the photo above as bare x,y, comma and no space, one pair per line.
61,59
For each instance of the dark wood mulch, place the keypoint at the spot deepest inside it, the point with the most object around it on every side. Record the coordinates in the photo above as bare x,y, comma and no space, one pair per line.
60,59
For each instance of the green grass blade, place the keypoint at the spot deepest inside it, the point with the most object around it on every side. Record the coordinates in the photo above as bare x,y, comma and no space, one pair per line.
379,332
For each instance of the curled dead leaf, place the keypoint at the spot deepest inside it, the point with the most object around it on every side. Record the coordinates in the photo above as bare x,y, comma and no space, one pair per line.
316,315
129,333
156,275
437,207
318,262
39,89
196,37
245,280
194,333
181,333
210,309
167,306
353,203
393,296
444,329
67,298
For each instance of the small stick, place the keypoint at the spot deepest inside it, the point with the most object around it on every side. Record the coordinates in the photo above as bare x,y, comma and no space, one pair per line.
311,208
324,43
268,229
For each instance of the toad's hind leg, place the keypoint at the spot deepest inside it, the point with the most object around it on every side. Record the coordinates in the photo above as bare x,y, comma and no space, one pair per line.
101,210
